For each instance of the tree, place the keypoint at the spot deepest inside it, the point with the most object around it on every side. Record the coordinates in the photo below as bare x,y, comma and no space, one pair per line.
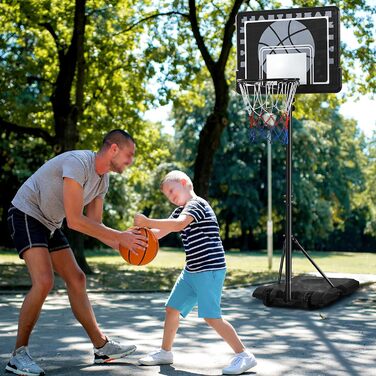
51,87
367,198
69,72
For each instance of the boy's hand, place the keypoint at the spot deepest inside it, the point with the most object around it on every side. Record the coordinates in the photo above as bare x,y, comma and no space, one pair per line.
140,220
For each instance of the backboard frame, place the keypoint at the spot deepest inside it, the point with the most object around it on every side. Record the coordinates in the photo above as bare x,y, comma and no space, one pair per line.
321,25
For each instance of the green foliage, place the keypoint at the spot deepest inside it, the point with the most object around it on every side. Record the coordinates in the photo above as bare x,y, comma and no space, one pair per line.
33,37
18,159
367,198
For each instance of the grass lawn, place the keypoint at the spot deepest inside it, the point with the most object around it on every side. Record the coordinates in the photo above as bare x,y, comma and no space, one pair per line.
111,272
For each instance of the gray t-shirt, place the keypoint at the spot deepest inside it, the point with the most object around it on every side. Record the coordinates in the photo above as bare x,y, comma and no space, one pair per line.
41,196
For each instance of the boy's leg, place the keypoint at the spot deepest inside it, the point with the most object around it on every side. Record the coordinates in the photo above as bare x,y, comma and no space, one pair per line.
66,266
209,290
40,269
171,326
227,332
243,359
180,302
164,354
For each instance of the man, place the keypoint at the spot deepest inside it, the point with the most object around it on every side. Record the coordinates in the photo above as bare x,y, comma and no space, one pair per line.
62,188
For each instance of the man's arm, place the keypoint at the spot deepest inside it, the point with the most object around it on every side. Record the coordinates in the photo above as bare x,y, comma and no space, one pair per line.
94,211
91,224
162,227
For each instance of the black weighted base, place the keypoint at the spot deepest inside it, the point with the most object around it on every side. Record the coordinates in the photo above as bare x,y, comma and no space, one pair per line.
306,292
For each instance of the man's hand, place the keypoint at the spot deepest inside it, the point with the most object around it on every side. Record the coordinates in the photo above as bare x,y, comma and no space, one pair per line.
132,240
141,220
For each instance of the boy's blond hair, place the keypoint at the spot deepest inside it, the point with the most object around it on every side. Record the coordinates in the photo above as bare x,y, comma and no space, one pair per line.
176,175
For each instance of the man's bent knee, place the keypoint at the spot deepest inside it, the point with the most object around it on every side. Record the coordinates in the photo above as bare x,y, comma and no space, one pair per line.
43,283
76,280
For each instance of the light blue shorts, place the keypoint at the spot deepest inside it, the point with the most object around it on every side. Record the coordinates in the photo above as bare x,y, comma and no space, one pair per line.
203,289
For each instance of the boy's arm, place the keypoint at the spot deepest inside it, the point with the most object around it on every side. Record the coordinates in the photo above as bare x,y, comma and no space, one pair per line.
162,227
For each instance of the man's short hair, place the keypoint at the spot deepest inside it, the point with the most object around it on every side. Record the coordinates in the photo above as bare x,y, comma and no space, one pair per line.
176,175
118,137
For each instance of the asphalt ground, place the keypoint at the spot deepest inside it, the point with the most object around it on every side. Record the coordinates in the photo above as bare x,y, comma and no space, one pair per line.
338,340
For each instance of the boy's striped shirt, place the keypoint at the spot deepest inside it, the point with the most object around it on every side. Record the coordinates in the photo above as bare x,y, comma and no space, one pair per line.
201,240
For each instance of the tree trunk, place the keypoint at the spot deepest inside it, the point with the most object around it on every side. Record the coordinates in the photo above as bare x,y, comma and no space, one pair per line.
67,114
210,136
211,133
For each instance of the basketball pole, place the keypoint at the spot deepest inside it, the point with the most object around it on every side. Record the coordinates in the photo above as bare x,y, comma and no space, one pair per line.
289,236
269,227
288,239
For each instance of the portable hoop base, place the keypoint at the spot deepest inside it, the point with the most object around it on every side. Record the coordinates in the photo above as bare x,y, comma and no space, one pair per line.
306,292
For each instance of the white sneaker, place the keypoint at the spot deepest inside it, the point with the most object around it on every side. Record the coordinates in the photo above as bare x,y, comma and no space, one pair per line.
157,357
112,350
240,363
21,363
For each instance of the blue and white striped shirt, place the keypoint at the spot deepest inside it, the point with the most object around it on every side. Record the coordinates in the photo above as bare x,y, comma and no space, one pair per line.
201,241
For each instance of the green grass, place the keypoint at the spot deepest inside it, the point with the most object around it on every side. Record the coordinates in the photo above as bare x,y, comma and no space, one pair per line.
341,262
112,272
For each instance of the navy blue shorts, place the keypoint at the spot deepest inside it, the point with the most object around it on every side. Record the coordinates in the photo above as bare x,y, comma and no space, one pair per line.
27,232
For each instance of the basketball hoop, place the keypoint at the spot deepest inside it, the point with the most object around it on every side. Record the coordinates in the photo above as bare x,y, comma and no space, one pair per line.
268,103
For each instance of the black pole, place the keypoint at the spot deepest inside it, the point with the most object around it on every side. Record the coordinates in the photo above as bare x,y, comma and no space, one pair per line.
288,240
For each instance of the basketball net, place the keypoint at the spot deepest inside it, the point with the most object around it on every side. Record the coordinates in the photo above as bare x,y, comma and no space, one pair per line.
268,103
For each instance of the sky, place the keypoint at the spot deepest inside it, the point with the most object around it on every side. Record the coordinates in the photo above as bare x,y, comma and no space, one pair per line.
362,112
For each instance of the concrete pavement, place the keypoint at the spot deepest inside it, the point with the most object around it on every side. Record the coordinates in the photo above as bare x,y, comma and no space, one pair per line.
339,340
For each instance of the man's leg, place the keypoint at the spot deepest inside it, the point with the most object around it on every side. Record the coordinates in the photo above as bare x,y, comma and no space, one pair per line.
40,269
66,266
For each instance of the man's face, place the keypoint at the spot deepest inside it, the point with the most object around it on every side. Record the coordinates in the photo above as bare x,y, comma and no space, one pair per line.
123,157
176,192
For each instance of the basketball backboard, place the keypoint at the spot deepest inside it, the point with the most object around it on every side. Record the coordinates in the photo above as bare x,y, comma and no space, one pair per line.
291,43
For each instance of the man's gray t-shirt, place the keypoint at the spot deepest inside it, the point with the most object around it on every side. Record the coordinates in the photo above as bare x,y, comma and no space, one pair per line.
41,196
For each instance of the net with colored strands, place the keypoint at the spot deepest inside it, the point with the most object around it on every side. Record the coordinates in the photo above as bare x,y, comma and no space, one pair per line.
268,103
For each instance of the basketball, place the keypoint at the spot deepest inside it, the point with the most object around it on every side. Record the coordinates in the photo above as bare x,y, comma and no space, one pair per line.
269,119
145,255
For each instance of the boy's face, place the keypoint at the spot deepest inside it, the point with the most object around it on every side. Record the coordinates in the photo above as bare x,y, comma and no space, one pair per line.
177,192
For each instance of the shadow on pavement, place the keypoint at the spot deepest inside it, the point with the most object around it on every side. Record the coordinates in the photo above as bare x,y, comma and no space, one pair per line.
339,340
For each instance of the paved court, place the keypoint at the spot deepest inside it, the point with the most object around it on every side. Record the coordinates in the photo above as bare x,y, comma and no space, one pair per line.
339,340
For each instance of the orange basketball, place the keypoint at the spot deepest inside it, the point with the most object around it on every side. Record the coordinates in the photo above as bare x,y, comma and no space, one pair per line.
145,255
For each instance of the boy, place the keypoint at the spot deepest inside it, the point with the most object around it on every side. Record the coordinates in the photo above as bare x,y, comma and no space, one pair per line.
202,279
